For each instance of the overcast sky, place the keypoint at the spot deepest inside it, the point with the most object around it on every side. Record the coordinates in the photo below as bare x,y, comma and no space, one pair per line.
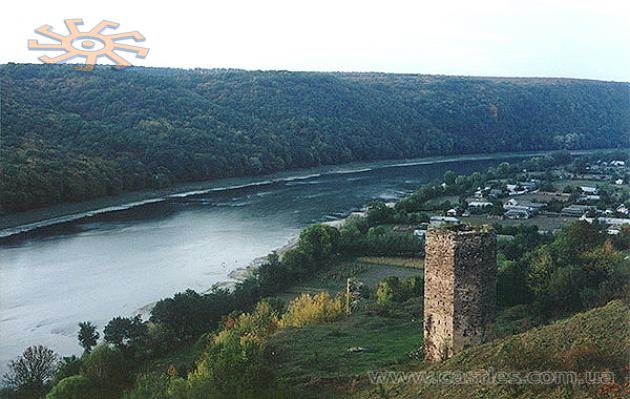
552,38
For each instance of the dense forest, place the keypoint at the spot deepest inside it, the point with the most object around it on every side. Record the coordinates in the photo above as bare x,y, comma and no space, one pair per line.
69,135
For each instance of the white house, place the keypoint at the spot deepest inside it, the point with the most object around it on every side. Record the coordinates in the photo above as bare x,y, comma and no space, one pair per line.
589,198
516,214
589,190
512,202
479,204
614,221
441,220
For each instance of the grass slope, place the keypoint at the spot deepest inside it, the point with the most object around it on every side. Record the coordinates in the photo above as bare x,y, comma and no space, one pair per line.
595,340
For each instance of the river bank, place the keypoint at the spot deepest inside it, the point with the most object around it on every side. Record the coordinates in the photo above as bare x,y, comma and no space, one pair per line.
243,273
58,214
122,262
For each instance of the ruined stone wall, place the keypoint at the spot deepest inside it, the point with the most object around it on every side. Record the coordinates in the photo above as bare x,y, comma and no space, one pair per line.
459,288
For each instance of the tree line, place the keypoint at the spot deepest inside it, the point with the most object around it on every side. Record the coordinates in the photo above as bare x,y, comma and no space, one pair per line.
71,136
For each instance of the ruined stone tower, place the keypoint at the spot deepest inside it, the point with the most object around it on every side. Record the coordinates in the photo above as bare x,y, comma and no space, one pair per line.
460,274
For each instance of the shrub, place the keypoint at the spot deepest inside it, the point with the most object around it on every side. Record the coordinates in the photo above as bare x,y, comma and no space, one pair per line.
391,289
306,309
157,386
105,366
74,387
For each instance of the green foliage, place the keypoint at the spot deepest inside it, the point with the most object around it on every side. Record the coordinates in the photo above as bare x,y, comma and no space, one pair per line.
512,287
379,213
189,314
69,136
355,237
578,270
235,364
67,367
158,386
392,289
106,367
73,387
126,334
449,177
88,336
319,308
319,242
29,372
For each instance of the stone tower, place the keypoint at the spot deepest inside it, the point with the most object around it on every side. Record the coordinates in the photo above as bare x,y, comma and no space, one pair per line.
460,274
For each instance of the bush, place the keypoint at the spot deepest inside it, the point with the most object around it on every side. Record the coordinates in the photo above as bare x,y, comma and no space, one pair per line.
156,386
74,387
306,309
391,289
105,366
67,367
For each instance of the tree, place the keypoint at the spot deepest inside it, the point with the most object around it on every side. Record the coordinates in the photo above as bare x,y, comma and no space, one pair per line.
67,367
126,333
157,141
88,336
503,168
105,366
388,290
379,213
319,242
449,177
29,372
392,289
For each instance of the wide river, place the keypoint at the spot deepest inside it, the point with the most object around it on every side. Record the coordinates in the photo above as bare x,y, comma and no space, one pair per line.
117,263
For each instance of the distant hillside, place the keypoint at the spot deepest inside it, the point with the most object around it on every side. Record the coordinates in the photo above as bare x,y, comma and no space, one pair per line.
595,340
69,135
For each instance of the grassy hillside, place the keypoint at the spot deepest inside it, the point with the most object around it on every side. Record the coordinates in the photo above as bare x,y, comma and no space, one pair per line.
595,340
69,135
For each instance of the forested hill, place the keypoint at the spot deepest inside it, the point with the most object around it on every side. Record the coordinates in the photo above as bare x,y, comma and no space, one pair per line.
70,135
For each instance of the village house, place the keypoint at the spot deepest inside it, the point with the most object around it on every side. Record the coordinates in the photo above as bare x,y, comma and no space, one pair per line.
576,210
517,214
495,193
589,190
437,221
479,204
511,202
614,221
515,189
520,208
614,224
589,198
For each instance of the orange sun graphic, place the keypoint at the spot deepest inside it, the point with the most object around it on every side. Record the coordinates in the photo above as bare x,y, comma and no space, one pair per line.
90,45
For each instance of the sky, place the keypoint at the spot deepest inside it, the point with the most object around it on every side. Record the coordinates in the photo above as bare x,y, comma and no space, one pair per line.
545,38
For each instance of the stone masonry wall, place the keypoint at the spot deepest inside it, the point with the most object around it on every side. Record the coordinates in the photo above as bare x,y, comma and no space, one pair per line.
459,288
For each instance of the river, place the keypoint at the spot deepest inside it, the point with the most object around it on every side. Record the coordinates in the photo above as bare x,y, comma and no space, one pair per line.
116,263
